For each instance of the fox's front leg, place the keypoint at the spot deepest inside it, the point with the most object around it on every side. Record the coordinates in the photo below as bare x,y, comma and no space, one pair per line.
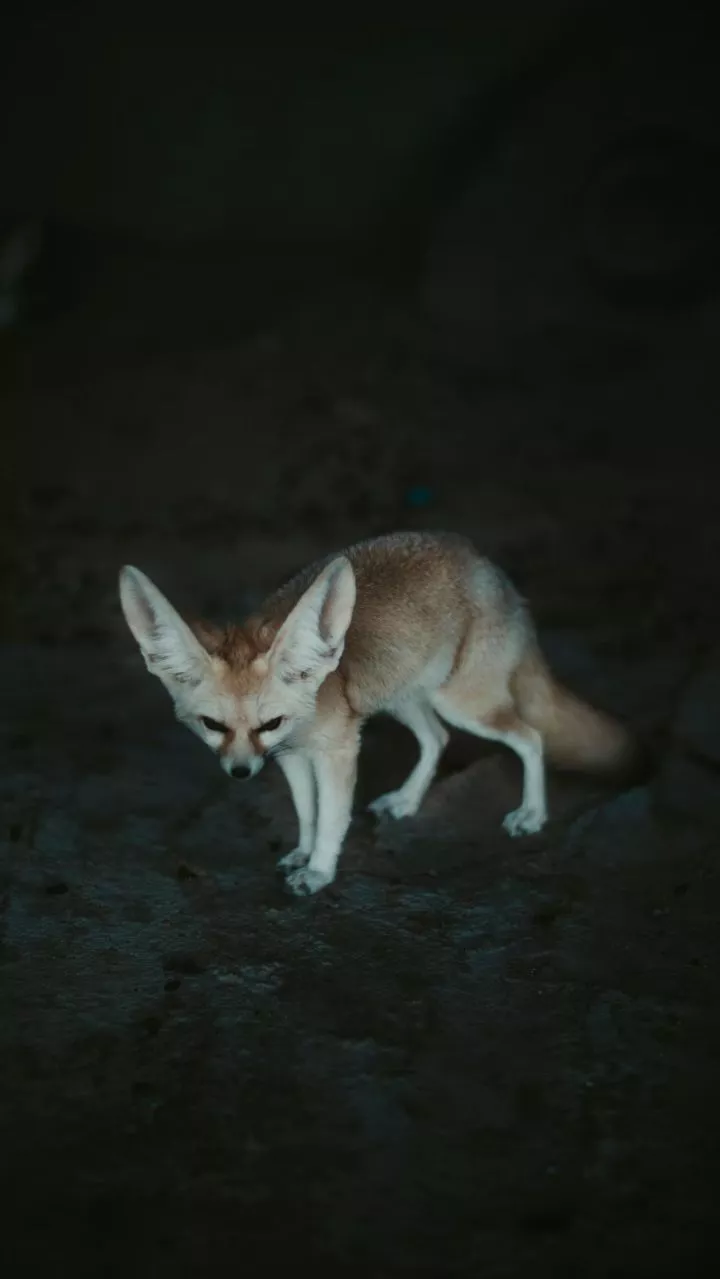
300,778
335,774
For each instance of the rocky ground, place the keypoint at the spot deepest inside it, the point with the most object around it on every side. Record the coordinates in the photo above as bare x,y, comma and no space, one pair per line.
471,1055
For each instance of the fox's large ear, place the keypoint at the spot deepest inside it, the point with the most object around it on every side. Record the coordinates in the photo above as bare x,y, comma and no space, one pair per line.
311,640
169,648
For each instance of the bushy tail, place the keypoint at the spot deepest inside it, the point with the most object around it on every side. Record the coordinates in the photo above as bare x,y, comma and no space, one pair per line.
574,734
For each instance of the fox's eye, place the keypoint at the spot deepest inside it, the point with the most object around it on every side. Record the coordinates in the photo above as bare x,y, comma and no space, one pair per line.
271,725
213,725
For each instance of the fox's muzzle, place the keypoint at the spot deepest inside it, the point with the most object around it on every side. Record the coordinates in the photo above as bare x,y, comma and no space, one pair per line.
243,771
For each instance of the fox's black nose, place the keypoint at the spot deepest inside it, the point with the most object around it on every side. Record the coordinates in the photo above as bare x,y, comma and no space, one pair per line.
241,771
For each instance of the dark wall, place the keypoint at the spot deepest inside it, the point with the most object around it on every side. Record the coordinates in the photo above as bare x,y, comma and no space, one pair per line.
219,122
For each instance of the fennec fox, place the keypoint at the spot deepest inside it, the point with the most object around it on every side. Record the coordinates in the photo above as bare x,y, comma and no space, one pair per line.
415,625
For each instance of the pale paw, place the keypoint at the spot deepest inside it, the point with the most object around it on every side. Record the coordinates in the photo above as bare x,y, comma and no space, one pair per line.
304,882
525,820
298,857
395,804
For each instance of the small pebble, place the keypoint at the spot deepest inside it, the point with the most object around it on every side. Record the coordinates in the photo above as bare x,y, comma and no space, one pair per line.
188,872
56,890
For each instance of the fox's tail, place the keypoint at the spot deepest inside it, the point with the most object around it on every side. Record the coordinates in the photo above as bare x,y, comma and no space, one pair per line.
574,734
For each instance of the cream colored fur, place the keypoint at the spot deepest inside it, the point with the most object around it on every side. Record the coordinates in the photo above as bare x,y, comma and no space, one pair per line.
417,626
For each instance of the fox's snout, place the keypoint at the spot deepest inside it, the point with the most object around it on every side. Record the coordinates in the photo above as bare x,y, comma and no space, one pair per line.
242,770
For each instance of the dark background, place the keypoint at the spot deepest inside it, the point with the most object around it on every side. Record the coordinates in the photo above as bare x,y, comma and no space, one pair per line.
270,283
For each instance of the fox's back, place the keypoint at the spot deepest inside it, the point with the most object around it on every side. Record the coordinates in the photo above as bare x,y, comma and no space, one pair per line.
418,595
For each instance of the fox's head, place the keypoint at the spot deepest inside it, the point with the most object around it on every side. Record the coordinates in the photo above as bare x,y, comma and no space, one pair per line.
246,693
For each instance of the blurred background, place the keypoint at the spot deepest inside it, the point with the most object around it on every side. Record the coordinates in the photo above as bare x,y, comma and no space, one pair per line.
301,284
269,284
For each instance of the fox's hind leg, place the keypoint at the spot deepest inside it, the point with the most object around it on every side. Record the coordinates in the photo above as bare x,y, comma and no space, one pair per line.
503,724
432,738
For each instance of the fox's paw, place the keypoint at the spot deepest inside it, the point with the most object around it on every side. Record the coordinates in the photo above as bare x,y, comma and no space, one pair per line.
396,803
294,859
525,820
304,882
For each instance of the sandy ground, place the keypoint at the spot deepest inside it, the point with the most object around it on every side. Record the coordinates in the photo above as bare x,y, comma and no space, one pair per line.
471,1055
